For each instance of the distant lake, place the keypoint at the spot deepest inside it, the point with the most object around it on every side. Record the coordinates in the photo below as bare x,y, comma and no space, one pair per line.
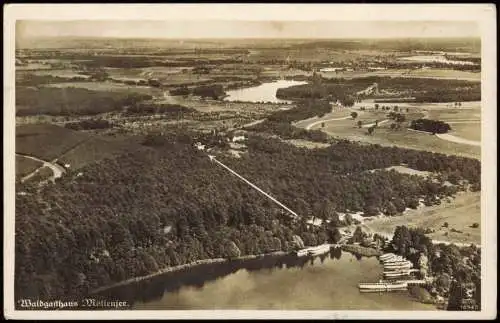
265,92
329,282
435,59
331,69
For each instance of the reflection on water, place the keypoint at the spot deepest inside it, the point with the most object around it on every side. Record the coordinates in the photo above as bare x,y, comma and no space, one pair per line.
328,282
265,92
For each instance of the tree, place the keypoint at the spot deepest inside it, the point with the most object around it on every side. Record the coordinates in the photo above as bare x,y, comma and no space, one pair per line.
358,235
457,295
376,106
360,123
232,250
390,209
354,115
370,130
322,125
334,234
396,108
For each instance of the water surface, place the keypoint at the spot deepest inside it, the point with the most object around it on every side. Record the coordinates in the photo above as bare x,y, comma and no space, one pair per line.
328,284
265,92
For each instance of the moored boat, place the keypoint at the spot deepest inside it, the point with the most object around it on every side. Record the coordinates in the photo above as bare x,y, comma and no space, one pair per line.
382,286
386,256
394,260
396,274
397,266
313,251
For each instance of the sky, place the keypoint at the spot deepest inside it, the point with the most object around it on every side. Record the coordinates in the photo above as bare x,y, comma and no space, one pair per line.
245,29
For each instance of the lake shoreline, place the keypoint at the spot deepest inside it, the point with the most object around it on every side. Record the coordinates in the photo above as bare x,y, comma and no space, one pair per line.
179,268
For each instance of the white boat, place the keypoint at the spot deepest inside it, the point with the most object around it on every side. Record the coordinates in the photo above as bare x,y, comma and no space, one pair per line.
302,253
388,274
397,259
314,251
319,250
382,286
398,264
386,256
397,268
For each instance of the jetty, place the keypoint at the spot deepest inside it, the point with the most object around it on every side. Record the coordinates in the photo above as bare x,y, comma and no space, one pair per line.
314,251
395,269
383,286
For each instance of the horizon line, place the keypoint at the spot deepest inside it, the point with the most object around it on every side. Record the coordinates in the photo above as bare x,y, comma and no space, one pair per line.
263,38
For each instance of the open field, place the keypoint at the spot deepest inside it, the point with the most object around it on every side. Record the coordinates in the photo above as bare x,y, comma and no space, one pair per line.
409,171
384,136
357,74
49,142
460,214
416,73
445,74
45,141
66,73
24,166
307,144
467,111
106,87
470,131
98,148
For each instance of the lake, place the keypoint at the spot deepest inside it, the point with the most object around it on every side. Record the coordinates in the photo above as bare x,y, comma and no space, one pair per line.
435,59
329,282
265,92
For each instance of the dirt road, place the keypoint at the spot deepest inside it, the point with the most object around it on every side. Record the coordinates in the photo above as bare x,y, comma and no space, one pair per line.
57,170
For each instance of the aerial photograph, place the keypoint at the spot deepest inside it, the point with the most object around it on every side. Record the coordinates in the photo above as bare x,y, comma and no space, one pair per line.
248,165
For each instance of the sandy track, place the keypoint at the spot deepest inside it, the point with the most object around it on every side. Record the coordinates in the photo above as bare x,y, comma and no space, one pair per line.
57,170
459,140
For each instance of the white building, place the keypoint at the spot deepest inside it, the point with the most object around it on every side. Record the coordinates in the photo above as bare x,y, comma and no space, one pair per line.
199,146
238,138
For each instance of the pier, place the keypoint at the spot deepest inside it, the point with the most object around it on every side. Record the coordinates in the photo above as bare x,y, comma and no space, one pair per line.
395,268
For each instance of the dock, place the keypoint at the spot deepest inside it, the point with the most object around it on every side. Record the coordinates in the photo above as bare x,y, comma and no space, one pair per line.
395,269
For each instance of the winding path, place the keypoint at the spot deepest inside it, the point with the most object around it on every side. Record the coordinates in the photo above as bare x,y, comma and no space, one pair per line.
309,126
373,123
458,140
57,170
313,122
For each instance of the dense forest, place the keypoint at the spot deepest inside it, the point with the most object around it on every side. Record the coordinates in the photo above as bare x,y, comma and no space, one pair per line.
421,89
456,269
89,124
37,80
172,110
286,131
71,101
279,122
305,109
432,126
214,91
166,204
